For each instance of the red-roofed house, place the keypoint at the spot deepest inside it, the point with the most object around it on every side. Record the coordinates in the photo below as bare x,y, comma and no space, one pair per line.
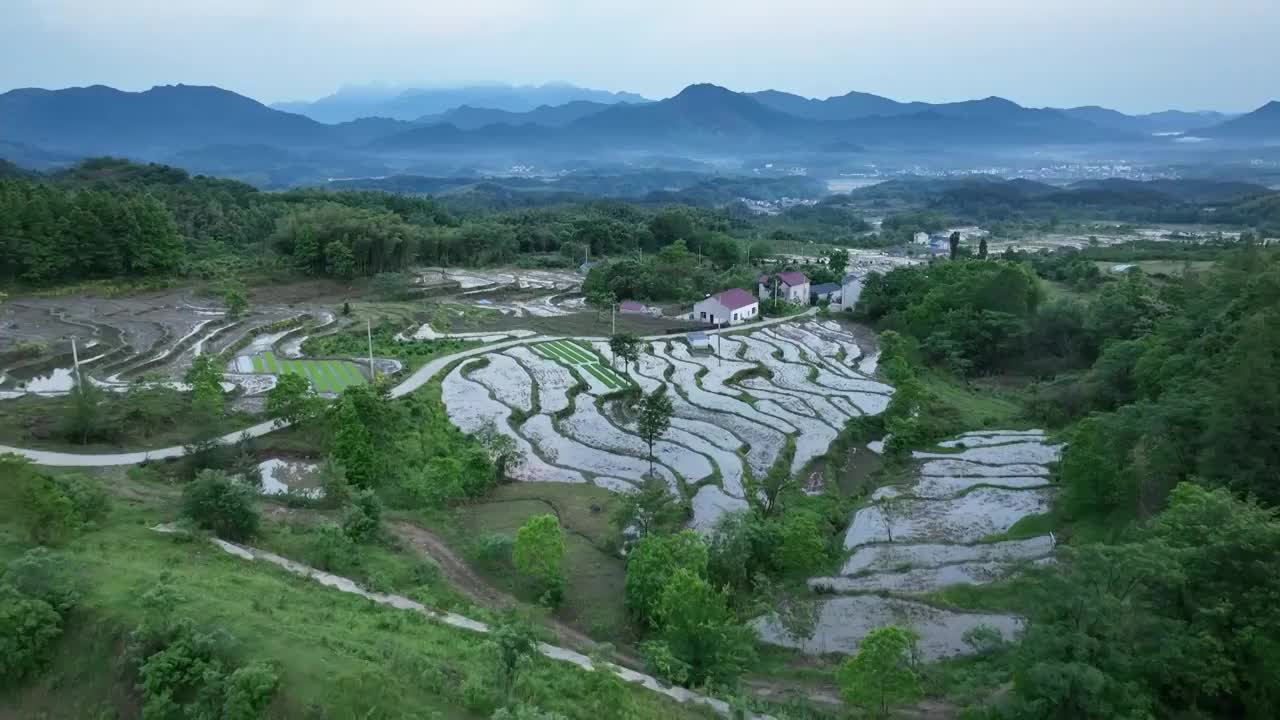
730,307
793,287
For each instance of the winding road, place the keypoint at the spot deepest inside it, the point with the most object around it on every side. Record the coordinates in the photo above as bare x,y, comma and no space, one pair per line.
416,379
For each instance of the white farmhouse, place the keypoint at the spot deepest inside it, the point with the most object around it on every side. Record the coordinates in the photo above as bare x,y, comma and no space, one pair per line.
793,287
731,307
920,238
851,290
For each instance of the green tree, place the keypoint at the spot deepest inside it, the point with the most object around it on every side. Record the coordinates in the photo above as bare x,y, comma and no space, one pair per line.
696,627
655,419
86,417
626,347
538,554
28,628
515,645
234,298
651,509
882,673
652,562
838,262
221,505
362,518
982,248
292,400
954,243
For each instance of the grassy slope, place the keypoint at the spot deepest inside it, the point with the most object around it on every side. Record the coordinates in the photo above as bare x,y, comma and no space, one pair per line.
593,600
338,653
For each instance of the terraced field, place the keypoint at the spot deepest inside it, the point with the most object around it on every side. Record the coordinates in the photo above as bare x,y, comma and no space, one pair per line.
325,375
946,528
584,358
734,413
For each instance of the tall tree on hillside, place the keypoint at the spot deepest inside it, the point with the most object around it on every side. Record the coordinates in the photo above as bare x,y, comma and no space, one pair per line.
955,245
838,262
85,419
882,673
655,418
626,347
982,248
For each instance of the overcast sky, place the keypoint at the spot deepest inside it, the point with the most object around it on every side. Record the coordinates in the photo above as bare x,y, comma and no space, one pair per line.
1134,55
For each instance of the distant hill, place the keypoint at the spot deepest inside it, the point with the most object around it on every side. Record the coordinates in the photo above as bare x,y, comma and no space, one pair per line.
471,118
843,107
1168,121
1261,124
1204,192
353,103
698,113
103,120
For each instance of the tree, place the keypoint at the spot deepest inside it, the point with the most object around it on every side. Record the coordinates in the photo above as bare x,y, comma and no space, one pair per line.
954,242
515,644
234,298
982,248
655,418
538,554
882,673
838,262
652,562
650,509
221,505
769,493
85,419
362,518
28,627
205,378
626,347
697,629
292,400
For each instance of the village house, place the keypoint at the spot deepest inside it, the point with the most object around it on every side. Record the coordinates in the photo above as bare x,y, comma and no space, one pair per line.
851,290
730,307
920,238
825,292
793,287
633,307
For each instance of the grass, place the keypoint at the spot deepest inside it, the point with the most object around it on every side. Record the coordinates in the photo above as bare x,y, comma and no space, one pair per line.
325,375
593,598
977,404
337,655
582,356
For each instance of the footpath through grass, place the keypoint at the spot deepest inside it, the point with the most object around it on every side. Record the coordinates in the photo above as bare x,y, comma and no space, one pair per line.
582,356
333,651
325,375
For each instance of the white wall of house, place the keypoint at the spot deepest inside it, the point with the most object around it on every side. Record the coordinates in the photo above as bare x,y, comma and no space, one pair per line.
712,312
850,291
798,294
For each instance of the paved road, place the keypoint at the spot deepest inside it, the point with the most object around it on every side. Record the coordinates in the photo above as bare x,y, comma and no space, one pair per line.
417,379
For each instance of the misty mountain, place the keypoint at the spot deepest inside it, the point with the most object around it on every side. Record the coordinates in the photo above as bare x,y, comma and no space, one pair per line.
1200,192
100,120
698,113
1261,124
354,103
1168,121
851,106
471,118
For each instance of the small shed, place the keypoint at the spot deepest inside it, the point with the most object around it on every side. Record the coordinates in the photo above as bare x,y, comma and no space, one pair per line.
699,342
633,307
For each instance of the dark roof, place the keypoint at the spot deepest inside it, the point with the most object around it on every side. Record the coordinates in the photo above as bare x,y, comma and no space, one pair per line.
824,288
632,305
735,298
793,278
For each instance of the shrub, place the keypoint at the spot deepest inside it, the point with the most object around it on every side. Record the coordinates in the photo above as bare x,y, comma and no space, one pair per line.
332,550
43,575
362,519
28,626
538,554
218,504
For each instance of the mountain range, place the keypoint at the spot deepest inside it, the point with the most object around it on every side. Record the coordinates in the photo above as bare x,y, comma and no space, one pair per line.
203,124
413,103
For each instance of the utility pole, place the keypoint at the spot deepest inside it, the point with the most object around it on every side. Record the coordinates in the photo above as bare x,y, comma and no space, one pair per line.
613,318
75,359
368,329
719,354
